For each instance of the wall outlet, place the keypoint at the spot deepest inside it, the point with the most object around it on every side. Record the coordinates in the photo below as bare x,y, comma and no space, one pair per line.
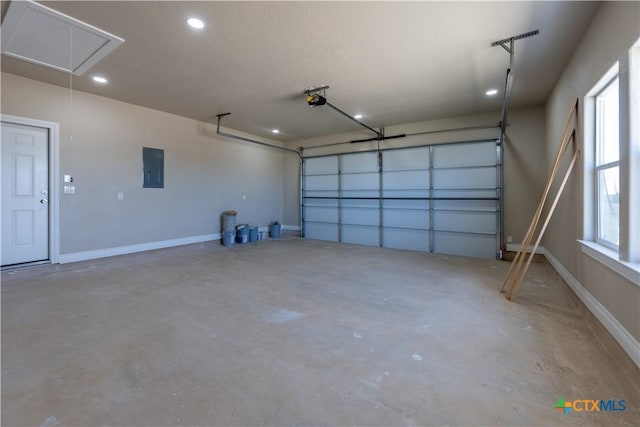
68,178
69,189
509,239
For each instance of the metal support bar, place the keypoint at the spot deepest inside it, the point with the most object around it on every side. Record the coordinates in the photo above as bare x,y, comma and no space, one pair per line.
377,138
470,141
503,120
380,202
320,93
396,198
253,141
431,237
500,196
339,198
301,195
495,126
355,120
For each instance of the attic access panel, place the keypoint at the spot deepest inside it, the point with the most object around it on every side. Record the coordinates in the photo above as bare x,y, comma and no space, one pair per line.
40,35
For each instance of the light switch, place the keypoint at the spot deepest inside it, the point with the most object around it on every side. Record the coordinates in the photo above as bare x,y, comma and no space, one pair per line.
120,196
69,189
244,197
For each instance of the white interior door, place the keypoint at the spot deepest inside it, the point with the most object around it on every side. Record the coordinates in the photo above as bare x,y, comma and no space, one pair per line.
25,194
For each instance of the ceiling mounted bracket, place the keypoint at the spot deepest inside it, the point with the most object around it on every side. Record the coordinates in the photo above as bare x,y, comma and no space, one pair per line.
316,96
508,45
510,48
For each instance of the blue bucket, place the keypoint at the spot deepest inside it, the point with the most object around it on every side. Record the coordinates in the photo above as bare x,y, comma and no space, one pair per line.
229,221
242,235
274,230
253,234
228,238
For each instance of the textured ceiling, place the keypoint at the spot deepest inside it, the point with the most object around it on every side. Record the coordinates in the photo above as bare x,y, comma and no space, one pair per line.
395,62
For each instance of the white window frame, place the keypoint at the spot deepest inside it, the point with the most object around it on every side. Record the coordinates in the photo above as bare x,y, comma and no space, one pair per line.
600,168
626,259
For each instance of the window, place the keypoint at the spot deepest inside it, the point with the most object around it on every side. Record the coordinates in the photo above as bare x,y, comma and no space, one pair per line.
607,165
611,184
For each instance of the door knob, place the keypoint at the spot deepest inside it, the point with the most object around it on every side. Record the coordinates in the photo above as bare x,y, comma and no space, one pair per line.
44,201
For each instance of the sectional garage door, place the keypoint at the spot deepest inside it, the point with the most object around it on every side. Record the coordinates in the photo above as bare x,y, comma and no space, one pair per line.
441,198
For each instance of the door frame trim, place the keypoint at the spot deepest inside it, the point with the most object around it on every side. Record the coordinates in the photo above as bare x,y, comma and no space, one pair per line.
53,145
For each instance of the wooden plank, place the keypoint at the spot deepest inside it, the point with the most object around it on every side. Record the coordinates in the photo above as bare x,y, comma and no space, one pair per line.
517,261
513,290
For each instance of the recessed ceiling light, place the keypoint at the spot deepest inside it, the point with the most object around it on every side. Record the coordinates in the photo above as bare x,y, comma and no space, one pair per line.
357,116
275,130
196,23
491,92
99,79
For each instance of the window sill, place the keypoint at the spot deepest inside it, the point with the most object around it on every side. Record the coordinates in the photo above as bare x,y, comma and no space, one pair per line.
609,258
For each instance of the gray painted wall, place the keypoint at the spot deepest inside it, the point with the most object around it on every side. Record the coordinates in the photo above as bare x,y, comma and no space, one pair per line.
101,147
615,27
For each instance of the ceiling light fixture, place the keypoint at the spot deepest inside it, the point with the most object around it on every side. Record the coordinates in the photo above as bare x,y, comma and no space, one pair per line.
196,23
99,79
275,130
491,92
357,116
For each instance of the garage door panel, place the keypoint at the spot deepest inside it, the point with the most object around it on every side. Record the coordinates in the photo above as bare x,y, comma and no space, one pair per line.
406,158
405,204
403,180
406,218
321,182
321,214
474,222
360,216
321,165
455,192
464,178
406,194
318,231
361,235
359,162
461,155
406,239
466,205
360,181
465,194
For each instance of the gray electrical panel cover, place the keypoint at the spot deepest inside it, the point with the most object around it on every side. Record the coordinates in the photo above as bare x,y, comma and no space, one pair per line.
152,167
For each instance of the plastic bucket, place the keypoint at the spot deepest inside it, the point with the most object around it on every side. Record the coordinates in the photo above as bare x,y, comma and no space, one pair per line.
274,230
253,234
229,221
228,238
242,235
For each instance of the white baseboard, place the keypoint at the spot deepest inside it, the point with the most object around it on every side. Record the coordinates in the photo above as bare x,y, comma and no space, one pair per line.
291,227
123,250
630,345
515,247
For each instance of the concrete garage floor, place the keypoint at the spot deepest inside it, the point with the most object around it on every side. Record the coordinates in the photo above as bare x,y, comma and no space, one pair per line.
300,332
